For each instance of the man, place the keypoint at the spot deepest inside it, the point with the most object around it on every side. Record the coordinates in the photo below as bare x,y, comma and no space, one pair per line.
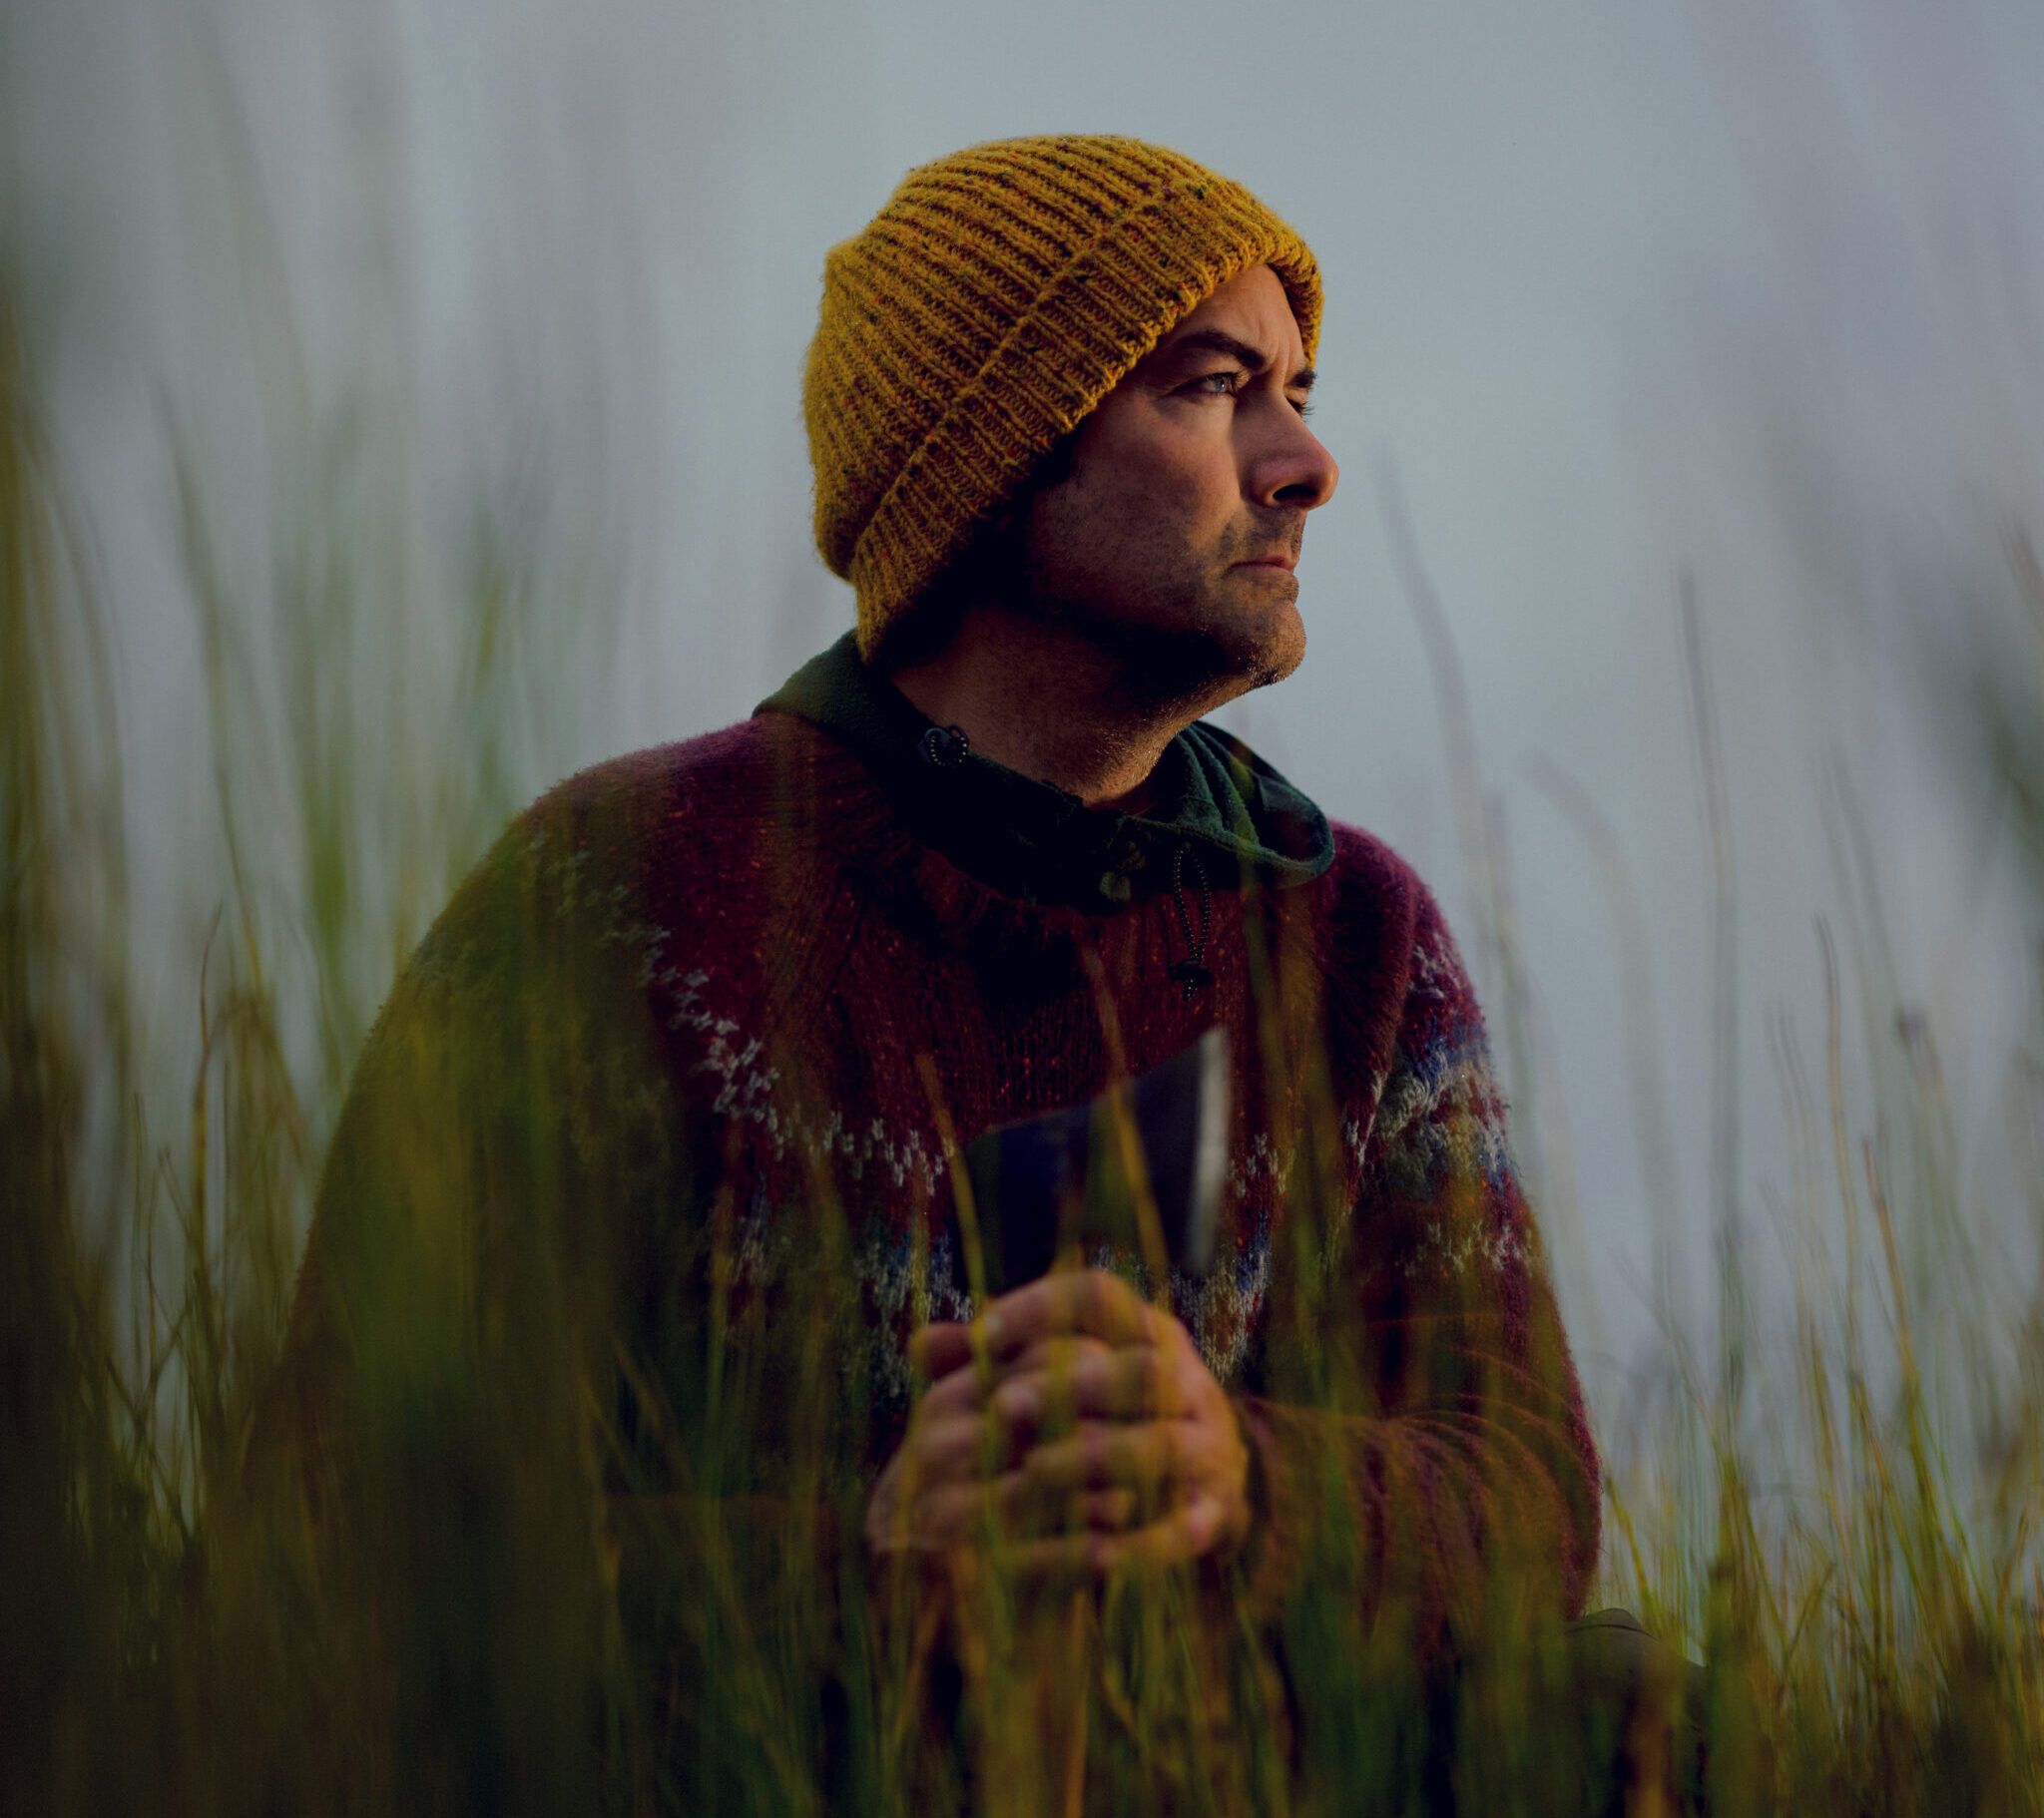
662,1125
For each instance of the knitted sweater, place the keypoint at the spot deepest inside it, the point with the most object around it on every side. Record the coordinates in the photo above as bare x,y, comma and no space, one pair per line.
667,1043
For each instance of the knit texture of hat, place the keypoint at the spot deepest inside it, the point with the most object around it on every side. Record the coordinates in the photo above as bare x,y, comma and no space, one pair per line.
1000,294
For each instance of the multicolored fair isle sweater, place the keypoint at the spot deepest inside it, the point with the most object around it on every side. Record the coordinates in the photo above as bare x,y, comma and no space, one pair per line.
698,992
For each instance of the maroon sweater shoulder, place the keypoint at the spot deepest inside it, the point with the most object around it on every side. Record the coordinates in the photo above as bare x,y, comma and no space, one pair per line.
724,843
721,782
707,815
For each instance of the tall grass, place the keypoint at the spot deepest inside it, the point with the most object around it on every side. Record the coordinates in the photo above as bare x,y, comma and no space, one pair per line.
1858,1568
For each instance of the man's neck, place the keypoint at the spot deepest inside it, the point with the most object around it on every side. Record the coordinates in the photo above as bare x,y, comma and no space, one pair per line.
1044,699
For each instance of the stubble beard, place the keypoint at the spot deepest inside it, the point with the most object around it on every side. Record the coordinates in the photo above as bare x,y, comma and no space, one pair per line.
1187,639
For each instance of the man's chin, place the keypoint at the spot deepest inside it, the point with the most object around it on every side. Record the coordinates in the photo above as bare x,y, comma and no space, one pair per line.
1267,641
1197,668
1194,653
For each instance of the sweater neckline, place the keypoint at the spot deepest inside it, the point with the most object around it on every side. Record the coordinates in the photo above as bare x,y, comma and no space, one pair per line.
1216,801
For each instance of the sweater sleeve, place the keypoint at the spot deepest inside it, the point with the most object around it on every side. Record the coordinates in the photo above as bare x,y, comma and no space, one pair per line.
442,1410
510,1475
506,1130
1424,1438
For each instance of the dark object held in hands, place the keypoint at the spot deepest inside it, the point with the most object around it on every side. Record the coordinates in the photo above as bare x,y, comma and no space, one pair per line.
1060,1183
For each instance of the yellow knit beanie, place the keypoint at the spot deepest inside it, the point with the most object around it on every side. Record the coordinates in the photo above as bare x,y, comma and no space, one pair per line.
1000,294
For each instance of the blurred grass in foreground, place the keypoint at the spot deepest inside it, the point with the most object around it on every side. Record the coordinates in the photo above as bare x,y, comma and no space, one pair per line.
172,1640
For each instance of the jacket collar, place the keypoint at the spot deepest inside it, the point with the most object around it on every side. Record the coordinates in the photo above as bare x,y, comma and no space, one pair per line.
1218,803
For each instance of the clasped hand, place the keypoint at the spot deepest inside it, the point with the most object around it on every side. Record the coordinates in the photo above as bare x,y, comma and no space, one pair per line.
1090,1437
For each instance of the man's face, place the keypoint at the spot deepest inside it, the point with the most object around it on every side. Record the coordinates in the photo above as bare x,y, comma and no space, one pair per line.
1172,539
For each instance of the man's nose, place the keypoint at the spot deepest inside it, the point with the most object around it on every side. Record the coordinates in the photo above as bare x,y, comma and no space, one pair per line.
1293,468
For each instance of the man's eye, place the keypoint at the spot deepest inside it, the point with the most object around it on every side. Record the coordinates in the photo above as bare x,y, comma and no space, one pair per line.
1216,384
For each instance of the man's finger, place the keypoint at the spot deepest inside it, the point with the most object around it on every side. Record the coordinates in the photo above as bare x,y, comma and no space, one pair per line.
1183,1533
962,1387
1067,1302
1108,1510
940,1348
956,1391
1105,1455
961,1446
1172,1539
1128,1383
1089,1301
970,1514
1063,1351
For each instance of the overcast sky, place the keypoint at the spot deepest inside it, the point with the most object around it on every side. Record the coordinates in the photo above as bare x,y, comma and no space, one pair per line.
1617,290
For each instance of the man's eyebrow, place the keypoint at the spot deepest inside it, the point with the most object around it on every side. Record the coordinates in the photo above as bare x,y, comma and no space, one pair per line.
1255,359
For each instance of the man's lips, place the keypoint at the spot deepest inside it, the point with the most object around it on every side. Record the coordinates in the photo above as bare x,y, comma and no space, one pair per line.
1285,563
